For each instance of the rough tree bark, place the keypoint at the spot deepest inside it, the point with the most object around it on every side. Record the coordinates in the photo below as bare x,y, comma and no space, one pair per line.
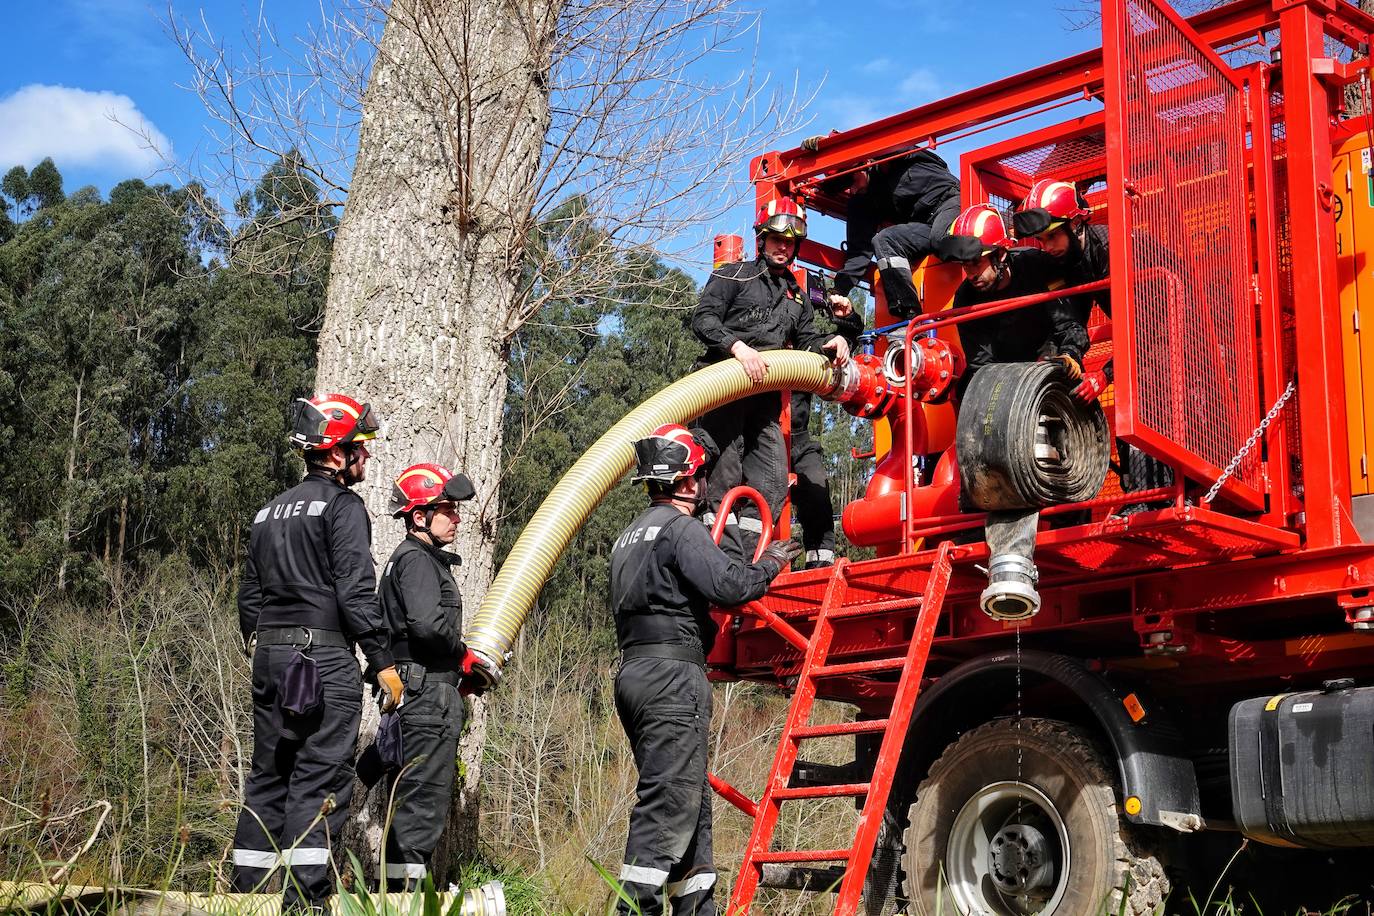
424,282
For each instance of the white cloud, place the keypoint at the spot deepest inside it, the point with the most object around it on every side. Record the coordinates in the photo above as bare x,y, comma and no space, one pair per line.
921,85
77,127
877,65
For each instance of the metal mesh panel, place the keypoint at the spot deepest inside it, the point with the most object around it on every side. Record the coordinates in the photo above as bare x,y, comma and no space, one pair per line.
1078,159
1185,224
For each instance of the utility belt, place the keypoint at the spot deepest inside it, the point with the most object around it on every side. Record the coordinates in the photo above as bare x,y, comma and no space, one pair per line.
417,675
301,637
681,653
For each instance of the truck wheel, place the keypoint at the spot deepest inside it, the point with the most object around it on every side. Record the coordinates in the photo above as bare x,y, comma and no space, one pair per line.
1020,817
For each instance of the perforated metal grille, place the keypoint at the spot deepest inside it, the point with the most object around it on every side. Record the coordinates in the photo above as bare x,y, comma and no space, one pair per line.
1186,226
1080,160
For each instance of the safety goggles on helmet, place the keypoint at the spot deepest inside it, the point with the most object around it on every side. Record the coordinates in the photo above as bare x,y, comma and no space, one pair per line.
963,248
787,225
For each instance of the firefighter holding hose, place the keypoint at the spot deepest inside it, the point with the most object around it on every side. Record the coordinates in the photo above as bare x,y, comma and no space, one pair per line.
1059,218
995,270
308,595
665,574
746,307
424,613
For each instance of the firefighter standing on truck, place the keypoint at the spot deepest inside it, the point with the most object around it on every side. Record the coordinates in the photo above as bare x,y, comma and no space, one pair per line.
665,574
308,595
897,211
424,611
746,307
811,492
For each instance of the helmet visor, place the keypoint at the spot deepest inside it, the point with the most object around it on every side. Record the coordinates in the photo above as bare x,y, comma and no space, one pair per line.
788,225
962,248
1035,222
367,425
458,488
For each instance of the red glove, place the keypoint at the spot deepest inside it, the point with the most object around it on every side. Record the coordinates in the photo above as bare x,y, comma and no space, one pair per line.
1091,388
472,683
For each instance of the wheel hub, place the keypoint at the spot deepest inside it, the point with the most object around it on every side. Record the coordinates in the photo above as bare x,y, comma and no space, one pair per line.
1019,860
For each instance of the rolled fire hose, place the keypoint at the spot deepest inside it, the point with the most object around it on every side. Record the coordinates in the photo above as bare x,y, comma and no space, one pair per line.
491,631
1023,443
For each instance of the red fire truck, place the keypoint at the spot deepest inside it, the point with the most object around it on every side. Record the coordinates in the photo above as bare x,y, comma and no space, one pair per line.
1199,666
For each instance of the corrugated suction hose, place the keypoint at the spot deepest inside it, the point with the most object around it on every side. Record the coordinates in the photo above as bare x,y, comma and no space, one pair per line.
491,631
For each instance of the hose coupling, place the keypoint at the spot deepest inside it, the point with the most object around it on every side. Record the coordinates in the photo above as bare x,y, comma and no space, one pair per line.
487,900
1011,593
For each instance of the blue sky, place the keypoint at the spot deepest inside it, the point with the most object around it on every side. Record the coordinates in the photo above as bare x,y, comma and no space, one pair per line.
77,71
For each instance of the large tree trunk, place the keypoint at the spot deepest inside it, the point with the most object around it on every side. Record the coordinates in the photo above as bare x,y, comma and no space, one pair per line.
424,285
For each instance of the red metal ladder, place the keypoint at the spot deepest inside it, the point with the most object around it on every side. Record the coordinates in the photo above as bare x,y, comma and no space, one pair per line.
815,668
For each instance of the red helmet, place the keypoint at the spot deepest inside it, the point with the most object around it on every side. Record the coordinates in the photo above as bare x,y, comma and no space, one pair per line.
669,454
781,217
1048,205
327,420
978,231
421,486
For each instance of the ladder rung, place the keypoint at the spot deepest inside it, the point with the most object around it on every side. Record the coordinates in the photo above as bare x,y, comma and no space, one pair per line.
804,855
877,664
837,791
842,728
876,607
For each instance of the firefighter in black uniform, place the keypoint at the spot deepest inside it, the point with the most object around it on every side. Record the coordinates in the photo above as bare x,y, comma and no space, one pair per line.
746,307
424,612
665,574
308,595
918,196
993,271
811,492
1058,217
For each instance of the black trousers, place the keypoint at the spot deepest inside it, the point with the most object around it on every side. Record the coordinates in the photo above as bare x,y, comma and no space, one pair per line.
901,247
301,782
749,437
811,492
665,708
431,721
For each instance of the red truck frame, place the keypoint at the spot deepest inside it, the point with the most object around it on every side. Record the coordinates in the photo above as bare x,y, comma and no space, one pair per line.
1213,137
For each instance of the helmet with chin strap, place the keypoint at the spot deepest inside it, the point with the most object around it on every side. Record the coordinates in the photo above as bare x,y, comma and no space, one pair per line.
427,486
1048,205
977,232
327,420
667,455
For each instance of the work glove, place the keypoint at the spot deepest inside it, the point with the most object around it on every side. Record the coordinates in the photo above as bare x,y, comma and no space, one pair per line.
392,688
1091,388
778,556
811,144
471,683
1070,365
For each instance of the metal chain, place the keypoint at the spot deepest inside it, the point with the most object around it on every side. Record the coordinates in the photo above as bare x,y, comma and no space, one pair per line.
1250,443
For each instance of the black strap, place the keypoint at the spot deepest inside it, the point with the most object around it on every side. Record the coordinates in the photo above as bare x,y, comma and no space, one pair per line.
302,637
665,650
412,671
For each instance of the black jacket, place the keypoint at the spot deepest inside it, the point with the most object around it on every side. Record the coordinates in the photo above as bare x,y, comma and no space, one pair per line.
310,564
422,606
1025,334
666,572
746,301
907,190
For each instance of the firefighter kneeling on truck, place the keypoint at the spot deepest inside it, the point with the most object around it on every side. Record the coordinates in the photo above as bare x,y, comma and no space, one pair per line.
665,574
308,595
417,745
